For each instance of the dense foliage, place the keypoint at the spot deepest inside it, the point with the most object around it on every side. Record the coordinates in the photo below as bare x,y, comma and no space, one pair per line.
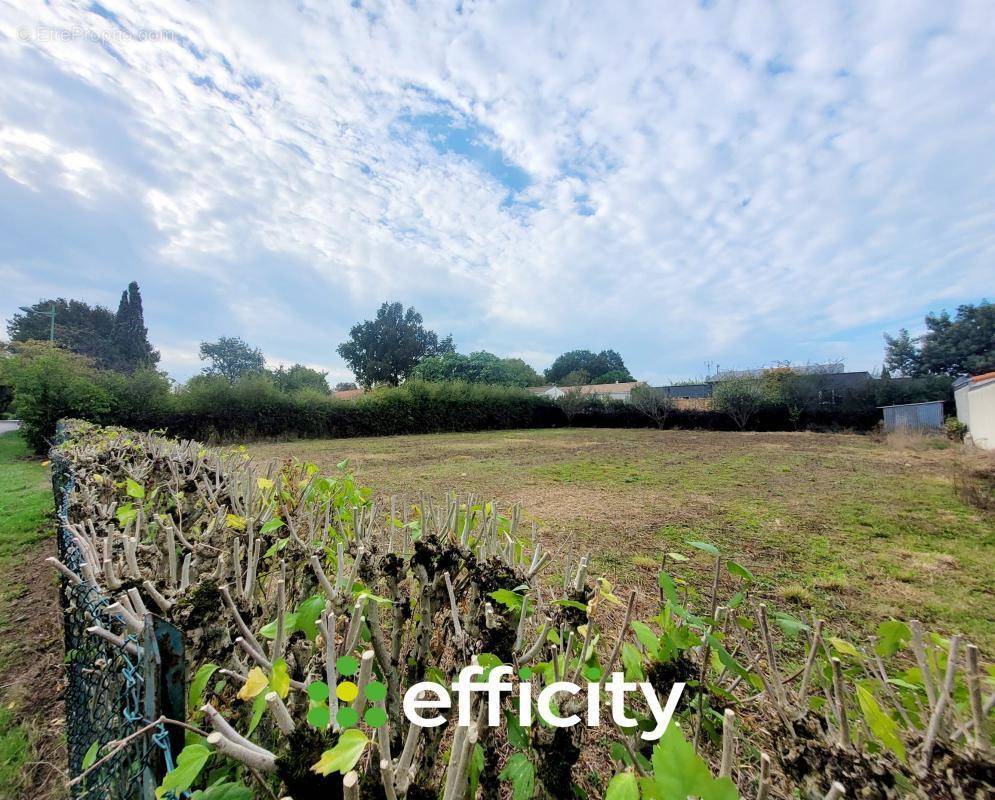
479,367
962,345
111,341
299,378
50,384
130,337
386,349
579,367
231,358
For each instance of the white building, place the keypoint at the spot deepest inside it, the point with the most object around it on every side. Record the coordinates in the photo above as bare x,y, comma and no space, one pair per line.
613,391
975,400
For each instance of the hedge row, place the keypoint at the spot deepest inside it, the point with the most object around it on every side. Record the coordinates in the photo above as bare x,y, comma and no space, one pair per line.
52,384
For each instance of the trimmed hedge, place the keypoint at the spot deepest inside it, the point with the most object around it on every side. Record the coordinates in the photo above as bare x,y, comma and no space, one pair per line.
50,384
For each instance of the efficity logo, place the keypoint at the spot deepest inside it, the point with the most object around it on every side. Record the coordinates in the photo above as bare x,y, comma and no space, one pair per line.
347,691
423,701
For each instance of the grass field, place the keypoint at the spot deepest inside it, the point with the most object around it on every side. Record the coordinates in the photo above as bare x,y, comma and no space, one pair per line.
855,529
30,679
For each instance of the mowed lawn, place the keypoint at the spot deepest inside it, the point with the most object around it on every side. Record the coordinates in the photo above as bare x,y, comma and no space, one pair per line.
854,529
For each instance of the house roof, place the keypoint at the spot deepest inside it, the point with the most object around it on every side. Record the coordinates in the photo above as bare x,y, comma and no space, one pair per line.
983,378
539,389
609,388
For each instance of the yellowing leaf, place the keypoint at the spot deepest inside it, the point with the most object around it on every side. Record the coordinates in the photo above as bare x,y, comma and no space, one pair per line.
235,522
844,647
264,483
607,593
254,684
280,679
344,756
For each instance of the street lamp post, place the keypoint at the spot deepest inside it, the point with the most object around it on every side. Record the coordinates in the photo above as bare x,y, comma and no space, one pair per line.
50,313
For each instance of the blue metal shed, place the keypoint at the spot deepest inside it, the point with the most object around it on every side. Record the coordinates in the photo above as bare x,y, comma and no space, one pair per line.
914,416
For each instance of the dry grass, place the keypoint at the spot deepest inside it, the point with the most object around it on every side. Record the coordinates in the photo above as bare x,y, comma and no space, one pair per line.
974,479
858,530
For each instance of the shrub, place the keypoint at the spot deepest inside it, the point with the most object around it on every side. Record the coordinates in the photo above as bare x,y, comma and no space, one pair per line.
50,384
741,399
955,429
654,403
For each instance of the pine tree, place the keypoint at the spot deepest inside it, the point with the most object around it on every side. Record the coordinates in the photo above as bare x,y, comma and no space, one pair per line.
131,337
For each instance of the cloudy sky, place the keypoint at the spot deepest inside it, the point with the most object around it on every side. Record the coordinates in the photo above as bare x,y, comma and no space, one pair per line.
724,182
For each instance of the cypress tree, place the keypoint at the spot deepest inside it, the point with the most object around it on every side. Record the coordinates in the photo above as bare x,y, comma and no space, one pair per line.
131,337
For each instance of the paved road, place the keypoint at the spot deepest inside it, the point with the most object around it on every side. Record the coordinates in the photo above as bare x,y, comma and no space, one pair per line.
7,425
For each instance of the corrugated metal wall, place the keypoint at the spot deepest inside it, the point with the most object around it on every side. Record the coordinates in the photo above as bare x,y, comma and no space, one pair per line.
914,416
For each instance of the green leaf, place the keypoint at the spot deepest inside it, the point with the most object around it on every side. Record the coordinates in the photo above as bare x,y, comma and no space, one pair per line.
570,604
475,768
646,637
276,547
739,571
223,791
844,647
258,707
189,763
197,686
892,636
345,755
632,662
520,772
307,616
517,737
507,598
125,514
623,786
668,586
91,755
881,725
678,772
134,489
789,624
271,525
268,631
711,549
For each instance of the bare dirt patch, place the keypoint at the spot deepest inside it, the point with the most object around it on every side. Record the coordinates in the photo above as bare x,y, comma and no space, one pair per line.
31,674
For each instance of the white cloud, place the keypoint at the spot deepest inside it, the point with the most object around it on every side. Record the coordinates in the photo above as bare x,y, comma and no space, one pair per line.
760,181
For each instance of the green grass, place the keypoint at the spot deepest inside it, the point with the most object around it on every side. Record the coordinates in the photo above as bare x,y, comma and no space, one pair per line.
15,750
25,506
858,530
25,500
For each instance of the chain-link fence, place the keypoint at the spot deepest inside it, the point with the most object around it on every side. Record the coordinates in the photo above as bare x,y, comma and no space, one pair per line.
113,694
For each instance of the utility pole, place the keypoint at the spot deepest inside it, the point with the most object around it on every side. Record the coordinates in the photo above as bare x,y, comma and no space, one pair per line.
50,313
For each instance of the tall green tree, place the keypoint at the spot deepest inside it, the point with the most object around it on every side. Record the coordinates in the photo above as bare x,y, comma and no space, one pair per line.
130,336
231,358
901,356
79,328
298,377
604,367
480,367
386,349
960,345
